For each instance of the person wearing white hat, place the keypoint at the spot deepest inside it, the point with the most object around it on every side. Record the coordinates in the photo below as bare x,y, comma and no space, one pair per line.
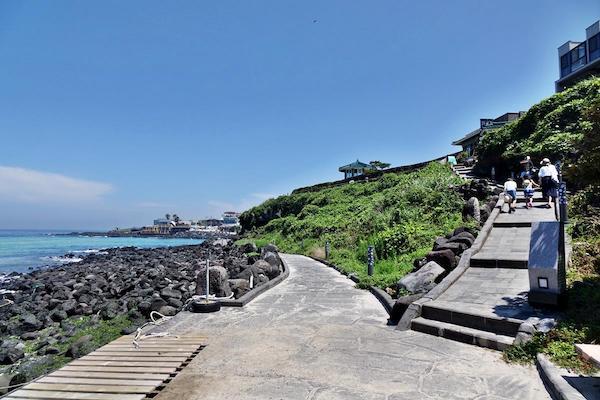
548,181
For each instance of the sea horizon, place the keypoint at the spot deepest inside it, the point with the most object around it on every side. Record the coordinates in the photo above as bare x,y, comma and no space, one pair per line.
23,250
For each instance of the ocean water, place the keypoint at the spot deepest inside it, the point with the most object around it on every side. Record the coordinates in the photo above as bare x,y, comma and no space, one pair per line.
21,250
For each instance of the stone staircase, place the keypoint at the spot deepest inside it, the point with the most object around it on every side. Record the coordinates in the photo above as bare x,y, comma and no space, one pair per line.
463,171
488,303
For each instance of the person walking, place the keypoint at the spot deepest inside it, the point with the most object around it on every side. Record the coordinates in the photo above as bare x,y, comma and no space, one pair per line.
528,189
548,176
510,194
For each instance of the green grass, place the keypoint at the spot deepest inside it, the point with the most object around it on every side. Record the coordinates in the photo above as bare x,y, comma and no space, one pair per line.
399,214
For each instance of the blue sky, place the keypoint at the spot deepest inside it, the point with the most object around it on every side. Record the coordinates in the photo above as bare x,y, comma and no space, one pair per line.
112,112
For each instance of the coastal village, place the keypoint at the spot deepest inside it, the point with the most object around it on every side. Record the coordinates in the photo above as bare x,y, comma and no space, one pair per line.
445,279
173,226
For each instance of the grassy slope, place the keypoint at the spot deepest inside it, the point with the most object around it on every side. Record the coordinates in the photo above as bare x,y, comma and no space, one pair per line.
400,214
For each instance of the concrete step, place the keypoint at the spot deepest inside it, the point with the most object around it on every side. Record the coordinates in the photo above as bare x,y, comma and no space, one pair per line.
512,224
590,352
461,334
465,318
482,260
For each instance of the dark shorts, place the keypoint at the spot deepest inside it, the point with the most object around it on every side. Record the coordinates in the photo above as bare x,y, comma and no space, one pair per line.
548,187
512,193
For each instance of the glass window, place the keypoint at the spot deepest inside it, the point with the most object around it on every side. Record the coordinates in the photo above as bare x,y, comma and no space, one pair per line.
578,58
594,43
565,65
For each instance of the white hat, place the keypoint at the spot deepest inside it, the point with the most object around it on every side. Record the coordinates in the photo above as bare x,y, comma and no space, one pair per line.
545,161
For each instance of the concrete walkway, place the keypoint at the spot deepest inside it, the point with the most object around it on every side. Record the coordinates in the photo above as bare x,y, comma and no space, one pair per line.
315,336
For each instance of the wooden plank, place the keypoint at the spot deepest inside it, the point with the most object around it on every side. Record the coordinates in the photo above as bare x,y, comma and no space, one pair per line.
36,394
127,363
141,349
105,368
110,375
152,384
136,353
156,360
90,388
189,348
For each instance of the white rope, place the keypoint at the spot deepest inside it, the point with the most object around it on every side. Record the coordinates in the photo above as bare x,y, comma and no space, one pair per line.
8,303
156,322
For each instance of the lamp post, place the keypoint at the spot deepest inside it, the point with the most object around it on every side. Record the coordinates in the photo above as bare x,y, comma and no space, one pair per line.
562,221
327,250
370,261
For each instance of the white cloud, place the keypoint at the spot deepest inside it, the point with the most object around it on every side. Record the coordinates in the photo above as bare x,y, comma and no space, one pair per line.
31,186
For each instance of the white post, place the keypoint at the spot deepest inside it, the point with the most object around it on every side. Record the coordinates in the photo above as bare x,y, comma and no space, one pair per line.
207,275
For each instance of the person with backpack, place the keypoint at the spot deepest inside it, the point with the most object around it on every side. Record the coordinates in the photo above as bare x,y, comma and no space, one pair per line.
548,176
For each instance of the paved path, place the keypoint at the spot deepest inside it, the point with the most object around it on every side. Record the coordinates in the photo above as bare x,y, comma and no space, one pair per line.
315,336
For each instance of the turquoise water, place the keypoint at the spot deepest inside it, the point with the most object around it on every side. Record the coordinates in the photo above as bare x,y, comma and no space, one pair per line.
21,250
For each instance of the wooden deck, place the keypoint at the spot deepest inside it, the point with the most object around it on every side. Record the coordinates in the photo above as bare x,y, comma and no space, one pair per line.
116,371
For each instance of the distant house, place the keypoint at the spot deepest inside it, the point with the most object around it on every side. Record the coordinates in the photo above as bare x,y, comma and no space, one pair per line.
470,141
355,169
163,221
231,218
579,60
211,222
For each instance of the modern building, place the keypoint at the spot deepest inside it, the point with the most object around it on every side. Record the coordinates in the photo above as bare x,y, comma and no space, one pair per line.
231,218
163,221
470,141
355,169
579,60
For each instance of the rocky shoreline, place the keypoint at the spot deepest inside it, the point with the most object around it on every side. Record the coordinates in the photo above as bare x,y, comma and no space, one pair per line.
50,316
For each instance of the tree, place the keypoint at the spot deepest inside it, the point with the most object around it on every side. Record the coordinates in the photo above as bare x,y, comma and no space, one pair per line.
379,165
176,218
168,217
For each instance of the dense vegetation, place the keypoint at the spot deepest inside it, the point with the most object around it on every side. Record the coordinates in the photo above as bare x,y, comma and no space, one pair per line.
565,127
560,127
399,214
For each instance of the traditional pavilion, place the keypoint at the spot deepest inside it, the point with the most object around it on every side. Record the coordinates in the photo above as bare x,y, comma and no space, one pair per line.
355,169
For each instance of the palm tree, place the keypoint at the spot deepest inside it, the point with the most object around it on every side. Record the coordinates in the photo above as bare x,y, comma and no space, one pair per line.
168,217
176,218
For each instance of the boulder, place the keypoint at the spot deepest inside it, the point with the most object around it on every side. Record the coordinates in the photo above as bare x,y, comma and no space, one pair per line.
30,323
456,248
218,281
249,248
422,280
444,258
465,238
167,293
167,311
109,310
58,315
268,269
10,355
81,347
272,259
440,241
471,209
269,248
239,287
401,305
156,303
